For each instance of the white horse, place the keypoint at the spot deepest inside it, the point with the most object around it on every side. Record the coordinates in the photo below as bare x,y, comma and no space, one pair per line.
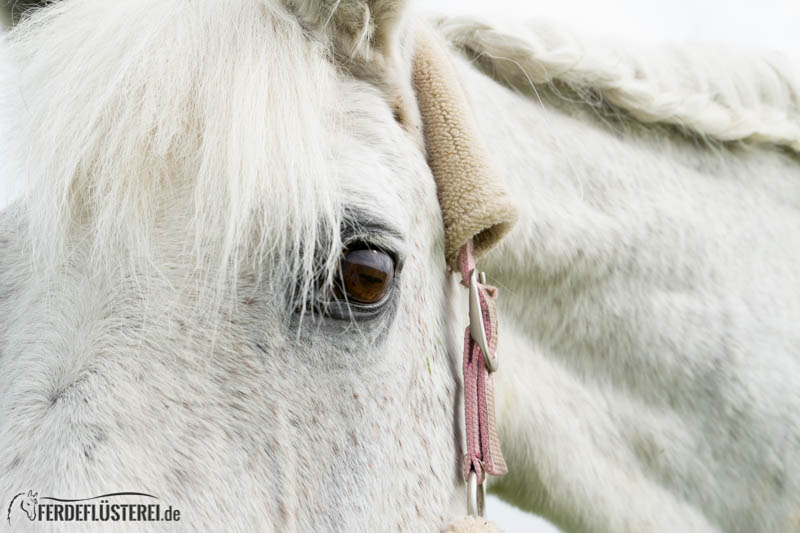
197,173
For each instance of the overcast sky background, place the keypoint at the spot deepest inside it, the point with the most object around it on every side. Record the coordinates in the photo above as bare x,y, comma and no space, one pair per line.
762,23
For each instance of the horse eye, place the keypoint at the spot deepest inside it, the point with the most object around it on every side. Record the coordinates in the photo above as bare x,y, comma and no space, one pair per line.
366,276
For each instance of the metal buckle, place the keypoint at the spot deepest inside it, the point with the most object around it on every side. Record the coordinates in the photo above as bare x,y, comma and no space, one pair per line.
477,329
476,496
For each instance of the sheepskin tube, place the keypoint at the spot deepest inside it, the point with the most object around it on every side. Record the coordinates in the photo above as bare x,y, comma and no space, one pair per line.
474,201
471,524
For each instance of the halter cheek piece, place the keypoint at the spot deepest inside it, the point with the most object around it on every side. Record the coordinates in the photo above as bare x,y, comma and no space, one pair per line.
477,212
484,455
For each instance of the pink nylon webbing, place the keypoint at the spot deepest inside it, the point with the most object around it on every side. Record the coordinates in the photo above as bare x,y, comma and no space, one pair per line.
484,455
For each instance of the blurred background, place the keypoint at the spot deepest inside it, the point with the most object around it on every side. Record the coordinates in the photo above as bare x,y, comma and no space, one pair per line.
765,24
741,23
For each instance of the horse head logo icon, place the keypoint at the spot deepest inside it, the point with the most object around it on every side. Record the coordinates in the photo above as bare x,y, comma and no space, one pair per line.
27,502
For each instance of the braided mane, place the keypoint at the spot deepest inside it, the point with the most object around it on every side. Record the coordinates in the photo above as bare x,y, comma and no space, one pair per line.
715,91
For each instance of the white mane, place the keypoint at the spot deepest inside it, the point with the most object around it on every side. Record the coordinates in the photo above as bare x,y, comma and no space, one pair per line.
714,91
186,127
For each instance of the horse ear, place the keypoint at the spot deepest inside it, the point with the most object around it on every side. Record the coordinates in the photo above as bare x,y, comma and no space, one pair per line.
358,28
15,10
373,40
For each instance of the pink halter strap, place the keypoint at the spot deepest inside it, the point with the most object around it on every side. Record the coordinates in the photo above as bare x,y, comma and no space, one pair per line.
484,455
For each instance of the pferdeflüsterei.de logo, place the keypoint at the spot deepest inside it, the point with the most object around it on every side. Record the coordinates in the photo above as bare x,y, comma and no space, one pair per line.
116,507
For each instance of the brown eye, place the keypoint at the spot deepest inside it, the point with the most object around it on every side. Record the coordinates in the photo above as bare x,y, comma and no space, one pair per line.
366,275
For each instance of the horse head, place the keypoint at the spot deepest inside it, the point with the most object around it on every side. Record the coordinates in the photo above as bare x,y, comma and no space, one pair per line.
28,504
259,299
230,271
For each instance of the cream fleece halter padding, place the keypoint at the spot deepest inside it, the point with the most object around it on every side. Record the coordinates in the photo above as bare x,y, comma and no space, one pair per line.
471,524
473,198
474,201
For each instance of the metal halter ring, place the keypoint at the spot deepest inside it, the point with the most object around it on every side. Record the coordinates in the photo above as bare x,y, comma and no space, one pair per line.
477,329
476,496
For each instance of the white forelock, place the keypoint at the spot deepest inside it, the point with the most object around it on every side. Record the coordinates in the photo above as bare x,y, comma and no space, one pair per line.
171,118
